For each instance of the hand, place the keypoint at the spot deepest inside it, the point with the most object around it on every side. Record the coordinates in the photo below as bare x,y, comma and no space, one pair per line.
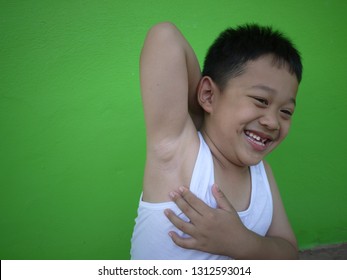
217,231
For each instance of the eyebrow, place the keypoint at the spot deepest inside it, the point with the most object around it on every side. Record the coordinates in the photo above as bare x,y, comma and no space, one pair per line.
271,91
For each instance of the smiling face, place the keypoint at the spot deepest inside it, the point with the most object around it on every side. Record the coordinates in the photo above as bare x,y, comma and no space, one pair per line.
252,115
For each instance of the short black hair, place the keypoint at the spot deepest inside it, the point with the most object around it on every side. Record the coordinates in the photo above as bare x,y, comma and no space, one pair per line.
228,55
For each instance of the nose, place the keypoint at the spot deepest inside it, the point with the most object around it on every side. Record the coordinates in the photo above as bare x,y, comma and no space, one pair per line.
270,121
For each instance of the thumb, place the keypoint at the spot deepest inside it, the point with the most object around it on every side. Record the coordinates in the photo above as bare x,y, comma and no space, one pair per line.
222,202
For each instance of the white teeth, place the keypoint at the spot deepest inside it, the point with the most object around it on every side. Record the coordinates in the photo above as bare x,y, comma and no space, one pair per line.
256,137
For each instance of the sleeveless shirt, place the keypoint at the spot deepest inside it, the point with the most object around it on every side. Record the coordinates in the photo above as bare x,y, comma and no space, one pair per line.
150,239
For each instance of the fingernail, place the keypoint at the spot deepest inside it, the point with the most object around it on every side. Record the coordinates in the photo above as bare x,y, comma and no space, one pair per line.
182,189
172,194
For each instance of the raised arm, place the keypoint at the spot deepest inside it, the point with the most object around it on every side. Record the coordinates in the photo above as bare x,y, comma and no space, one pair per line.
169,74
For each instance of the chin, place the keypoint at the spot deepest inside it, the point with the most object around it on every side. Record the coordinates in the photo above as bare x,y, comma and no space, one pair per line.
254,162
251,160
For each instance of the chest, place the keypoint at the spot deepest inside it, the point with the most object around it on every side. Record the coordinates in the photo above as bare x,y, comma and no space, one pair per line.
236,187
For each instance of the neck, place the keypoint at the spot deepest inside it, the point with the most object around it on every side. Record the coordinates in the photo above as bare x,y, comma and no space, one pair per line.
234,180
222,162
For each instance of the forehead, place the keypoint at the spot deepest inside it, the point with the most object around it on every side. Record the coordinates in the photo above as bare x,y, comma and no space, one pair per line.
265,73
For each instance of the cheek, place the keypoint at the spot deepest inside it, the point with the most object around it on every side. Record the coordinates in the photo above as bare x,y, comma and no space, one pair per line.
284,130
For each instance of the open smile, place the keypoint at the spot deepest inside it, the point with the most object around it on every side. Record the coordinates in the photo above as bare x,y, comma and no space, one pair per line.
258,140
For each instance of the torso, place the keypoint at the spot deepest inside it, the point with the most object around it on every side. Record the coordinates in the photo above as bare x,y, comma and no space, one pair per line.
233,180
163,177
150,238
235,186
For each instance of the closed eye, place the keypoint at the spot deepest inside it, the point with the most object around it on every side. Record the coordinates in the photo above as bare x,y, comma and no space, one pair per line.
287,112
261,100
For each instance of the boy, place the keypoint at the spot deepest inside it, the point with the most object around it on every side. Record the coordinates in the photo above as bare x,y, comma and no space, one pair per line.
242,106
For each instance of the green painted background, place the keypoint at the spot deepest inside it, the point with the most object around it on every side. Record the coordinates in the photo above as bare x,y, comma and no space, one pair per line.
72,137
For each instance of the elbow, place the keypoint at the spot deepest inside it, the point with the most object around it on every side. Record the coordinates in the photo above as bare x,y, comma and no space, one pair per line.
164,32
162,27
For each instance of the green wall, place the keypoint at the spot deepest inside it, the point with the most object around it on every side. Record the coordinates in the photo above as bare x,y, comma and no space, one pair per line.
72,137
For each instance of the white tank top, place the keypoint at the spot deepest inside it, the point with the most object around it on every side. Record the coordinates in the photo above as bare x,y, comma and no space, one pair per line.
150,238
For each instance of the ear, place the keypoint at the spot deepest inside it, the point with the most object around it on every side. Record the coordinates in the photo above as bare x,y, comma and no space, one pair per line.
206,93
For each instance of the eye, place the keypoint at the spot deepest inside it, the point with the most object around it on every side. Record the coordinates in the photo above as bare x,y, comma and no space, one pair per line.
262,101
287,113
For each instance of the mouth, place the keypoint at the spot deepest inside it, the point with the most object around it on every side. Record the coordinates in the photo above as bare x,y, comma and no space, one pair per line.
258,140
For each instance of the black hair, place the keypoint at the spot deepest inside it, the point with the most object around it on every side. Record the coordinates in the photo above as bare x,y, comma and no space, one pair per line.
228,55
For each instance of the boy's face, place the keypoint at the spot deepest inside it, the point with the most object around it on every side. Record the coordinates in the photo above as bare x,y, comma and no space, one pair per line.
253,114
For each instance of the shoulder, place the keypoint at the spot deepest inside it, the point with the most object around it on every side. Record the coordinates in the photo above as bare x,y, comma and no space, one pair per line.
267,168
272,182
280,225
270,175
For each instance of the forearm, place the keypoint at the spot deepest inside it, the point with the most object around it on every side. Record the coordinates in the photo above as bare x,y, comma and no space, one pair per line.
195,110
194,76
258,247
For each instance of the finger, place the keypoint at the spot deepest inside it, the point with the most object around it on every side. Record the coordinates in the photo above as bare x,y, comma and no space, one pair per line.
186,243
185,207
201,207
222,202
183,226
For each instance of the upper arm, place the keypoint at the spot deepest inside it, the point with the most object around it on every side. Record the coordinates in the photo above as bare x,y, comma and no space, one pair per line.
169,71
280,226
